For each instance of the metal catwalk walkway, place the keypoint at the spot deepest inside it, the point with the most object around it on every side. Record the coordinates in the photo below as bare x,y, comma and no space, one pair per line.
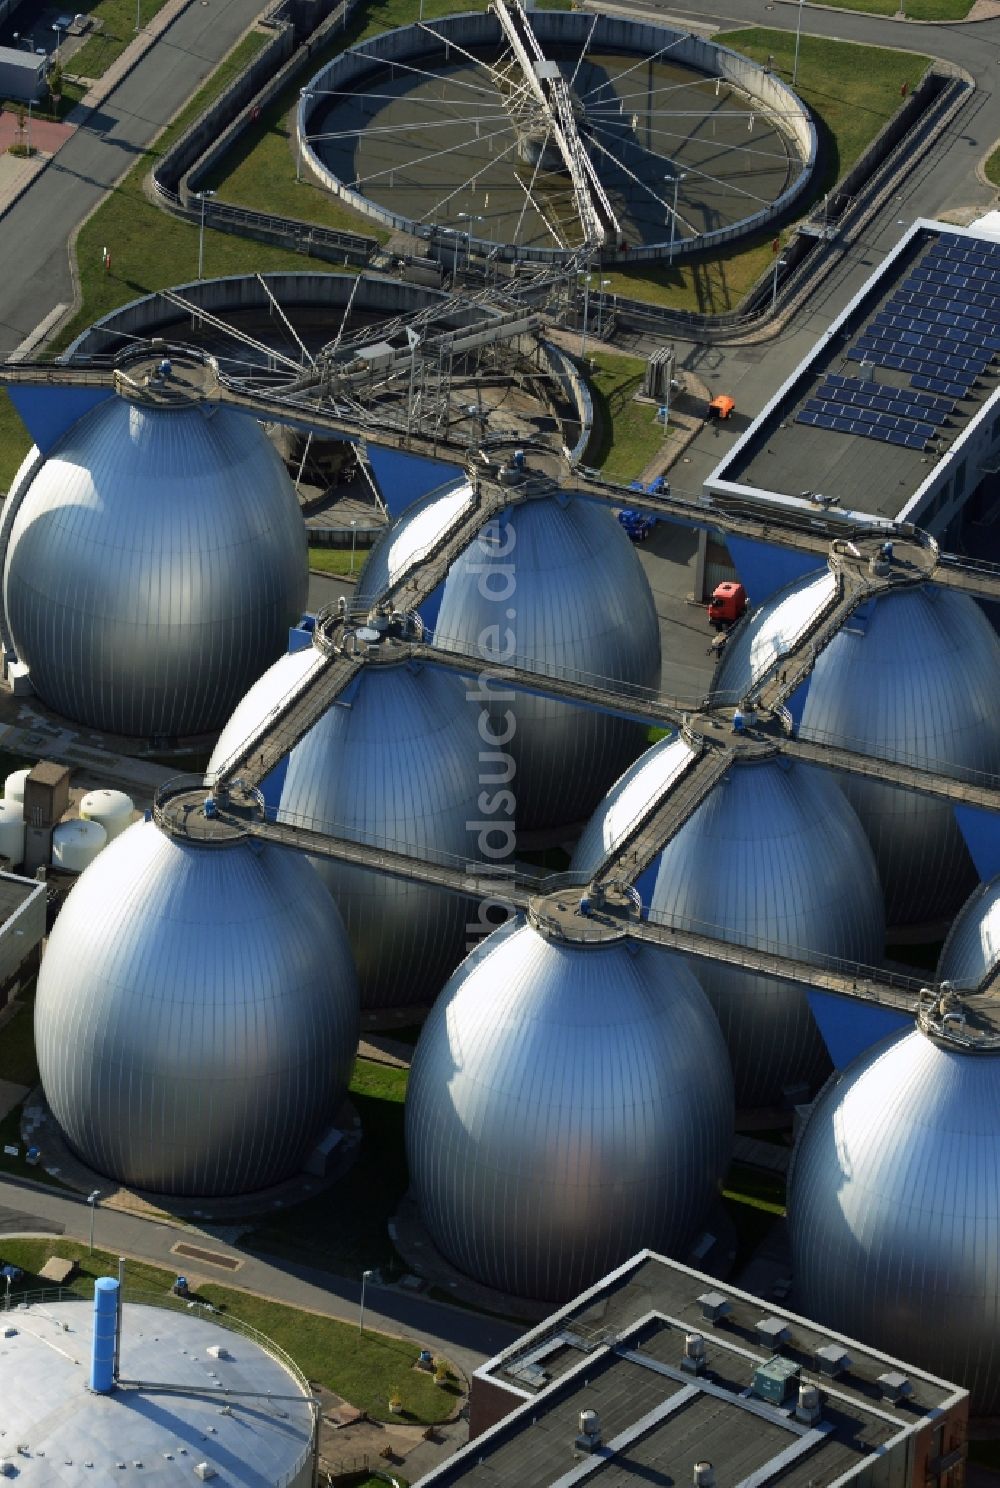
553,902
196,379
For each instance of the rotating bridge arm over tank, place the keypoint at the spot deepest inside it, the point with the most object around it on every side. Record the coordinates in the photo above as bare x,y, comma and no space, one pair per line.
552,93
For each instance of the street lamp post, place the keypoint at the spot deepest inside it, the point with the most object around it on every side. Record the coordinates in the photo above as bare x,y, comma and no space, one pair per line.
30,103
203,197
354,540
798,37
138,15
364,1278
27,41
304,93
779,263
58,30
600,307
677,178
92,1199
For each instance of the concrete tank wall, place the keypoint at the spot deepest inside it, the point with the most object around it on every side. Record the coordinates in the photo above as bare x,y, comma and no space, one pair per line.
777,102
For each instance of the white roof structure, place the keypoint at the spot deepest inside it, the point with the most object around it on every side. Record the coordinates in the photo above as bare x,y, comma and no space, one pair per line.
179,1405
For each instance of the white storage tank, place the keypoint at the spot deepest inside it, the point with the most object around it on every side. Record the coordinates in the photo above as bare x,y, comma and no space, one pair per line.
111,809
12,831
75,844
13,786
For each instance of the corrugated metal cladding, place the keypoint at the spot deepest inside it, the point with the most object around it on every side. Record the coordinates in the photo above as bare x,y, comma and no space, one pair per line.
774,857
153,569
972,948
411,538
197,1014
631,798
913,677
894,1210
557,583
396,765
567,1105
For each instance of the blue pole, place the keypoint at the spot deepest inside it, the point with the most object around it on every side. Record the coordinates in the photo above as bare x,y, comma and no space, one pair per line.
102,1359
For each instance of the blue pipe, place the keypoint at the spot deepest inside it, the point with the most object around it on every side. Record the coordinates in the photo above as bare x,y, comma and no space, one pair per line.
102,1359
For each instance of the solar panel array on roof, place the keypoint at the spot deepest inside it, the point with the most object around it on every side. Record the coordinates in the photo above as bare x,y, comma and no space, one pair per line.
945,316
941,327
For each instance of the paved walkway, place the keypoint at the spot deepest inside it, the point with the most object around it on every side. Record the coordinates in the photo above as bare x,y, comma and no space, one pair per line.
45,135
457,1333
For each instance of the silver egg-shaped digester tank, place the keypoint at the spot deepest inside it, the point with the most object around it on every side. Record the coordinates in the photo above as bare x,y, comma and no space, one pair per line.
555,584
394,763
894,1208
775,858
913,676
569,1103
197,1014
153,562
971,952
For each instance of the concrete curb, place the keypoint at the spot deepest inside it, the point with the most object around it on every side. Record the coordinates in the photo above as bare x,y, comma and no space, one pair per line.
904,20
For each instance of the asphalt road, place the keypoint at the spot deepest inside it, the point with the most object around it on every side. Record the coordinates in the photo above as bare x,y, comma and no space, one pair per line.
34,233
463,1336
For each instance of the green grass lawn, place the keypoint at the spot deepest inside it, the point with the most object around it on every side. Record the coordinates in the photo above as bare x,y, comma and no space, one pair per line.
363,1368
992,167
344,1230
337,560
754,1200
14,442
852,90
150,248
628,436
118,29
913,10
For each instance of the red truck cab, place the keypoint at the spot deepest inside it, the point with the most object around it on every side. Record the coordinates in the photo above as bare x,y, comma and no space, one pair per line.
727,604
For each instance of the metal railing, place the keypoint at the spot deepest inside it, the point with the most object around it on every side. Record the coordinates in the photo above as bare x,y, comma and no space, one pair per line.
523,886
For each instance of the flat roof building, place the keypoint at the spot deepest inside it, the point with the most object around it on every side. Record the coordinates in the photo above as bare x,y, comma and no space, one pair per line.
22,73
895,414
658,1373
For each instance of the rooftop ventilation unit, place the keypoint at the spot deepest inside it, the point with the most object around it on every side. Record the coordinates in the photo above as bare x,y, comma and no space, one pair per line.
589,1438
808,1408
894,1386
831,1359
714,1306
773,1331
693,1358
773,1381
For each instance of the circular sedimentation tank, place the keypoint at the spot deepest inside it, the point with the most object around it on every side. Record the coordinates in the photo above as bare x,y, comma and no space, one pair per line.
568,1104
394,763
913,677
431,129
894,1209
153,562
775,858
197,1014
